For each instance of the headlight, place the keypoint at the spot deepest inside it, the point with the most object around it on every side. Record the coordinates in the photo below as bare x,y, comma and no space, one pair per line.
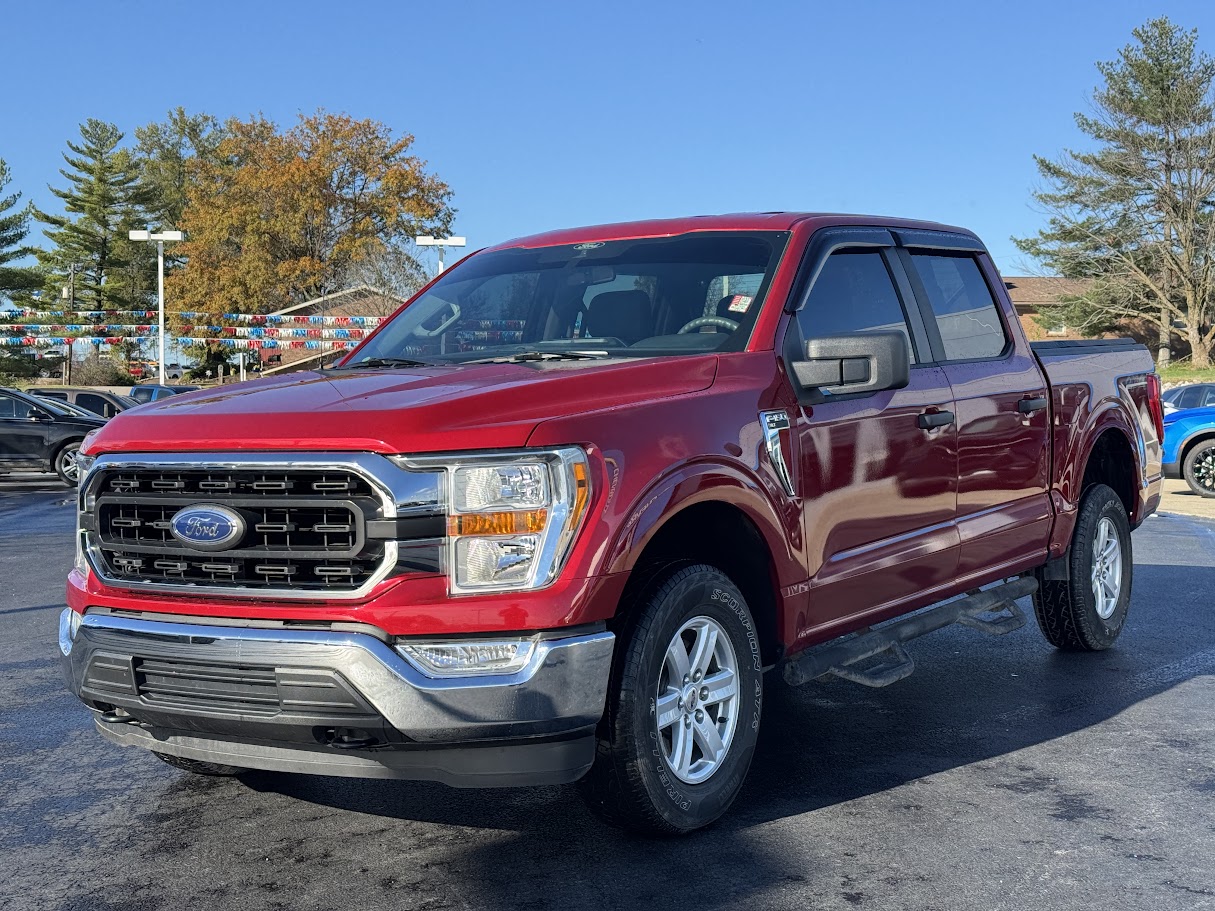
85,459
511,517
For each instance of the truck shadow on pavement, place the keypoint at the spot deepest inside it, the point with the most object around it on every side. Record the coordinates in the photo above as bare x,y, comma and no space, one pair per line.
973,699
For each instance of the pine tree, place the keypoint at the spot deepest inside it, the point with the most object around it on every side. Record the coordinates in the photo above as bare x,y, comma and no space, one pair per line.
1136,216
166,150
104,199
14,226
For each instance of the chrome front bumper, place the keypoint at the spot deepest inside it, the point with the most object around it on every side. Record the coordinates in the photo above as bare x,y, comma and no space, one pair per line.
330,679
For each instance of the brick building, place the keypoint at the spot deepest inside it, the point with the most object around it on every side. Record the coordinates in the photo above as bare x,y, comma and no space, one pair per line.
1032,295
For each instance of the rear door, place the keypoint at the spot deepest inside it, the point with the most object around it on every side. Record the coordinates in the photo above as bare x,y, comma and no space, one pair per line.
1000,399
878,487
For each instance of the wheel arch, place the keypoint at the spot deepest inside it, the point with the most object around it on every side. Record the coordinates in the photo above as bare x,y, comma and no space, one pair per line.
1204,435
714,515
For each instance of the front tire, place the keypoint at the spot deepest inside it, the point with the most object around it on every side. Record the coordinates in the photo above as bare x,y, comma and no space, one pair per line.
1086,611
684,708
66,463
1199,469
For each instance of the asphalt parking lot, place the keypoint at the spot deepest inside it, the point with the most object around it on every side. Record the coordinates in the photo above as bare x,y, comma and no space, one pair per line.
1001,775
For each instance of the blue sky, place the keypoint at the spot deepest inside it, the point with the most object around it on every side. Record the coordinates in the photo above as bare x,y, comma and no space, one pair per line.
546,115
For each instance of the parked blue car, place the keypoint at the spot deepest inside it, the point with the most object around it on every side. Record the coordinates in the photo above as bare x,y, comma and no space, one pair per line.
1189,448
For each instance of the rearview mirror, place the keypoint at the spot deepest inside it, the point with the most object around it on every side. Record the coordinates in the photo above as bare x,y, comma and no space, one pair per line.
39,416
858,364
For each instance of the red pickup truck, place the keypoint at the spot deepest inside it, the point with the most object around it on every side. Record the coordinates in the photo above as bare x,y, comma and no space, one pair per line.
557,518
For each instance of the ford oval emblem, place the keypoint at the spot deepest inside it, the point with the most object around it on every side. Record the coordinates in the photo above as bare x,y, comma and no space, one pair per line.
205,527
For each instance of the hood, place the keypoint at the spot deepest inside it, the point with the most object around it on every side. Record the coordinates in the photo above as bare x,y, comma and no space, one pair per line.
427,409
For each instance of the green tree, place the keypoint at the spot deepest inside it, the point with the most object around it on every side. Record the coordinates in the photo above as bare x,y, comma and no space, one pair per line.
166,150
104,199
14,226
1134,215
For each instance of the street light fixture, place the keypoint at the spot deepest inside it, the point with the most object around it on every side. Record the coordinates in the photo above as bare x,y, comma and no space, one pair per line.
160,280
441,242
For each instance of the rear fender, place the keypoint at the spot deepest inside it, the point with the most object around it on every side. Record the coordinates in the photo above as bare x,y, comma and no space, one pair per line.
1108,415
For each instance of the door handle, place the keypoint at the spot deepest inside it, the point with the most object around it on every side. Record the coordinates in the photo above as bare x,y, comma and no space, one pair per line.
931,420
1030,405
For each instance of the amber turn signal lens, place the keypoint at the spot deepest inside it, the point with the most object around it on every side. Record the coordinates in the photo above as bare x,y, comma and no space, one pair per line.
498,523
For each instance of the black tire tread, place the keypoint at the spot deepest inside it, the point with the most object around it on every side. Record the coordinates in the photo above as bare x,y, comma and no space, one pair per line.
614,787
1060,605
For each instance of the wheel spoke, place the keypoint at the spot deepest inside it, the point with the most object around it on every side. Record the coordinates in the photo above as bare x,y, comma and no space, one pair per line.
668,709
721,686
702,651
681,749
677,661
706,736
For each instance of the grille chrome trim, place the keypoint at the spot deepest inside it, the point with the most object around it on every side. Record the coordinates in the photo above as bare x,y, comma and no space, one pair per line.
402,493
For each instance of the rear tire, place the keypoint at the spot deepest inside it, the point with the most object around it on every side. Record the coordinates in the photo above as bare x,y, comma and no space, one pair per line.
197,766
1199,469
1086,611
672,755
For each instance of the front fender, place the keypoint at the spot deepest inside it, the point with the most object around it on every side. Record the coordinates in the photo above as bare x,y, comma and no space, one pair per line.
777,518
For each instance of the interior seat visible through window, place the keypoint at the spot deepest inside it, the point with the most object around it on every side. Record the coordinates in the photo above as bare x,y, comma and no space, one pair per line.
625,315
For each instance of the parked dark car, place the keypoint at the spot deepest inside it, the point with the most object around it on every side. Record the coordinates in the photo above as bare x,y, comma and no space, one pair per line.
1192,395
154,393
98,401
38,434
68,406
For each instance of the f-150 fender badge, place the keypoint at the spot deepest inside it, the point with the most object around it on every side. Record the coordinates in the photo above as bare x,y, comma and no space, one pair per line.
206,527
772,423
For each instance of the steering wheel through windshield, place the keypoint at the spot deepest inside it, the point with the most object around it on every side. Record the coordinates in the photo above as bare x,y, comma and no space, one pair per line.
717,322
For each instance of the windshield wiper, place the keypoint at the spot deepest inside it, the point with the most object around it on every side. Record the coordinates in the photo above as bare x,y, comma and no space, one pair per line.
385,362
522,356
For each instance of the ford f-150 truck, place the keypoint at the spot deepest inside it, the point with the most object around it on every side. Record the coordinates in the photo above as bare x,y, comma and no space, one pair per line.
558,517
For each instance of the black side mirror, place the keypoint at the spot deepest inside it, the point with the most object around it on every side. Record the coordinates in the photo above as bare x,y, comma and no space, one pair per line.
858,364
39,416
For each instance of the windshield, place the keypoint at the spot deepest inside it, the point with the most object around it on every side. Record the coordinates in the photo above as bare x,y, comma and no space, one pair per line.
627,298
54,406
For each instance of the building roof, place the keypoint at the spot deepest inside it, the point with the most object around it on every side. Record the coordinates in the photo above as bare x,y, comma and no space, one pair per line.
1042,290
339,298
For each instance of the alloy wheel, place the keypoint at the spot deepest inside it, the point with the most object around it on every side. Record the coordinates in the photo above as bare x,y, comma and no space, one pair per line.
1107,568
697,704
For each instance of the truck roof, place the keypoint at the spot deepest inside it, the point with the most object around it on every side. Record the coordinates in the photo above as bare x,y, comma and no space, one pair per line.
743,221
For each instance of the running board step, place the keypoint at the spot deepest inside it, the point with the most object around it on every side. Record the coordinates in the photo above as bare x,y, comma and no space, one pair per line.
840,659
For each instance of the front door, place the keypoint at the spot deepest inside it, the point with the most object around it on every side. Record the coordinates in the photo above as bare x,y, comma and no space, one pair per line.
877,474
21,440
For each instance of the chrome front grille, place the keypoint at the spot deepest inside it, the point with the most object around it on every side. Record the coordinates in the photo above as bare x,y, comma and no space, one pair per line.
310,530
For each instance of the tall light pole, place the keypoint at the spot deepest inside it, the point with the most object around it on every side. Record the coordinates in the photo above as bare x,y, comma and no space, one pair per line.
441,242
160,281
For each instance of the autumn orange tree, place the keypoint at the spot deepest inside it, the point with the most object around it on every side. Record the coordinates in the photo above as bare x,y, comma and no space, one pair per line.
275,218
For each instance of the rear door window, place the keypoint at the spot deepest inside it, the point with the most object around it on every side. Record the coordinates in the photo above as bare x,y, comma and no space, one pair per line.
965,311
853,293
95,404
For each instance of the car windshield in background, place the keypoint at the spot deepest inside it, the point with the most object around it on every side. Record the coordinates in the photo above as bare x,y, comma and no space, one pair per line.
625,298
54,406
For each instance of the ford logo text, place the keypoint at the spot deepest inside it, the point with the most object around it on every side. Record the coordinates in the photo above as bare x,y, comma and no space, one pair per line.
206,527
